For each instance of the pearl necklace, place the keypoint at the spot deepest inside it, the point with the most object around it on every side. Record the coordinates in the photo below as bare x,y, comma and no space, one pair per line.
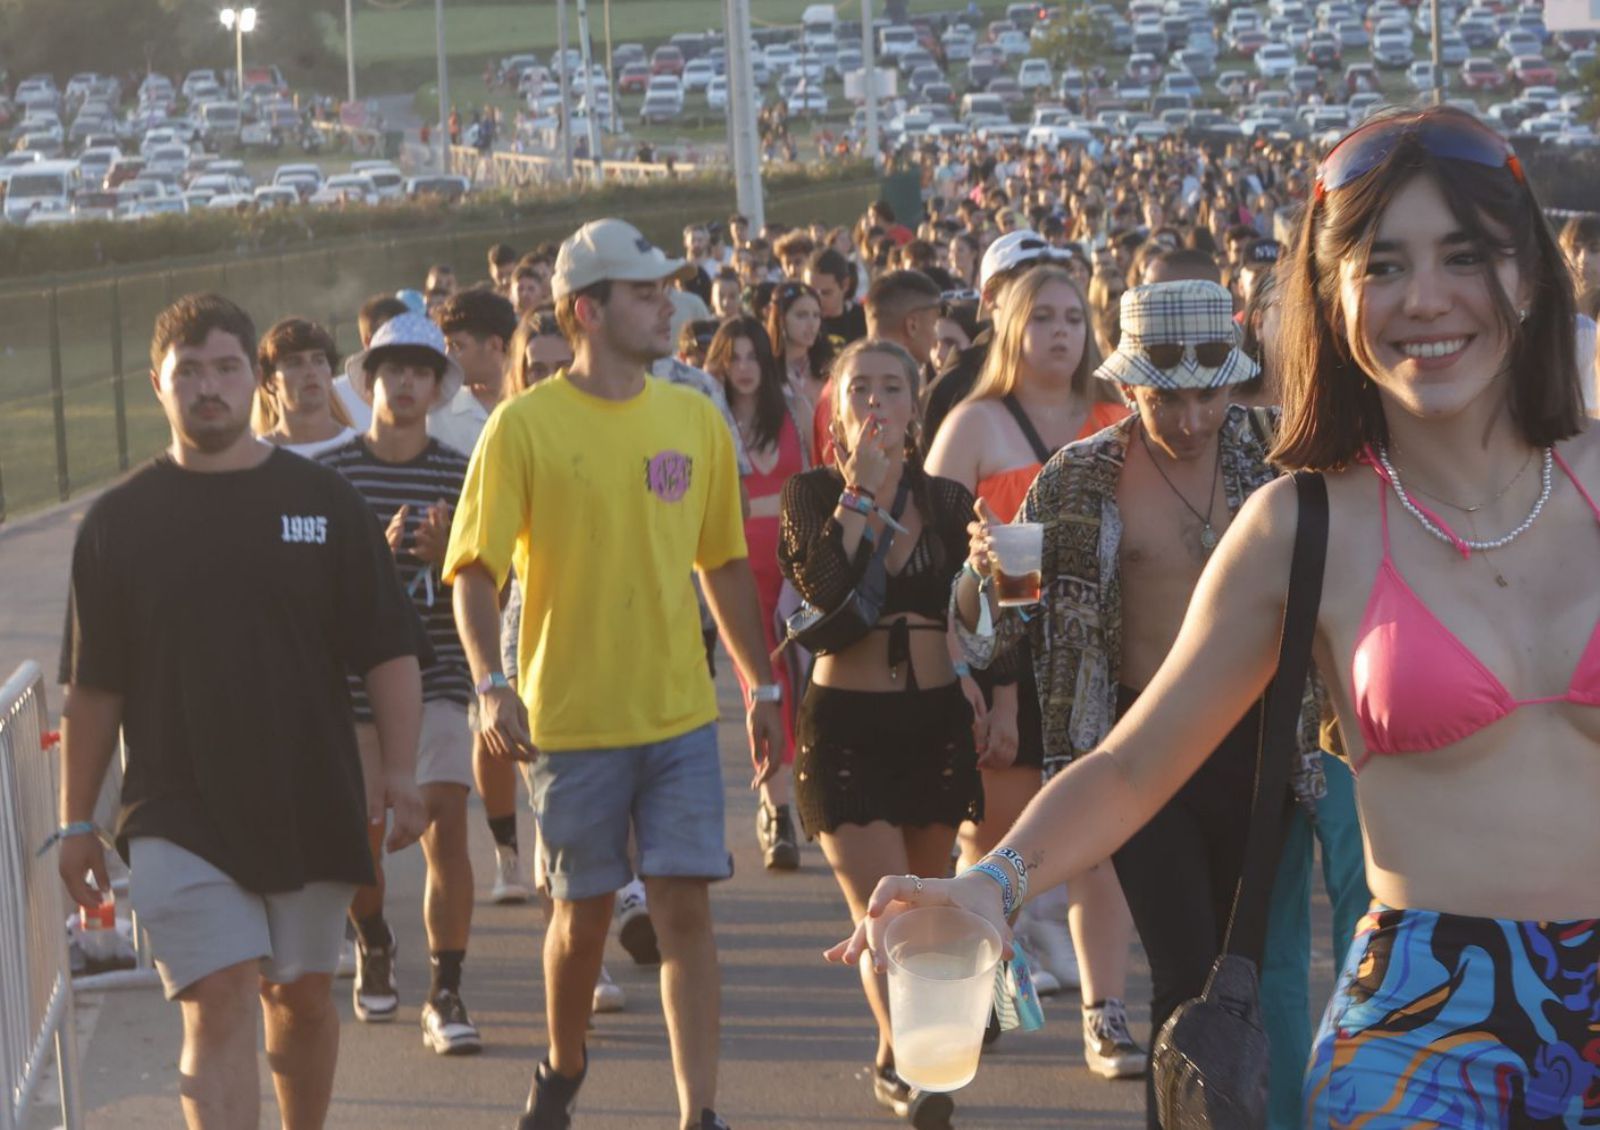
1444,533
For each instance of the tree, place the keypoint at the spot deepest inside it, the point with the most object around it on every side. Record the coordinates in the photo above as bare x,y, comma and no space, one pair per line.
1077,39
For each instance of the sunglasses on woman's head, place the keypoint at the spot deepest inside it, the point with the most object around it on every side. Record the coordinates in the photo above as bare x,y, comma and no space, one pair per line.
1206,354
1446,133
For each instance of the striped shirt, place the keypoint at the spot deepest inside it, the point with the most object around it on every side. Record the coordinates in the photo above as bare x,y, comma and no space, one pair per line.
437,473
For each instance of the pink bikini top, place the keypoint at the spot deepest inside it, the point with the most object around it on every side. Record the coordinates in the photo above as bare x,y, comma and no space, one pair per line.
1417,686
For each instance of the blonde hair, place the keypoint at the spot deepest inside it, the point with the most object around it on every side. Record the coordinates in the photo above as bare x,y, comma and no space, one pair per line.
871,346
1003,366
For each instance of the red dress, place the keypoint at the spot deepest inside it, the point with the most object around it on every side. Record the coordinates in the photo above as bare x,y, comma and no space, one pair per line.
761,537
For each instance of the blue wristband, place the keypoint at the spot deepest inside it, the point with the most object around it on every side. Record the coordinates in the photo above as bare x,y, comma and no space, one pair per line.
76,828
963,671
1007,897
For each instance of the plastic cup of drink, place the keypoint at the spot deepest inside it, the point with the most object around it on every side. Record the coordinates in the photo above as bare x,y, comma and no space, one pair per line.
941,986
1018,554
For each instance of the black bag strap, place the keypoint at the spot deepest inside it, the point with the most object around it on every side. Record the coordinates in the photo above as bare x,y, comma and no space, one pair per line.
1247,926
1029,432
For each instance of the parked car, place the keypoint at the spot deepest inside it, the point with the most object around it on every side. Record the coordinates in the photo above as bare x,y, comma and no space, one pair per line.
1419,75
660,107
634,78
1274,61
1034,74
808,101
667,60
1323,49
698,75
446,186
1532,70
1482,74
1361,78
717,93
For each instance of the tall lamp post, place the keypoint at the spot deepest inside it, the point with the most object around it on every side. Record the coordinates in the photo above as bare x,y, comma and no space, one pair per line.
239,21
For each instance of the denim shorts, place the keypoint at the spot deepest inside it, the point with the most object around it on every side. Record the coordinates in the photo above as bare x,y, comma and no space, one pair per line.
201,921
669,793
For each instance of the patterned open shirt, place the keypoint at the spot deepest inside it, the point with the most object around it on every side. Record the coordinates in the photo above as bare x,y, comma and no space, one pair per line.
1076,631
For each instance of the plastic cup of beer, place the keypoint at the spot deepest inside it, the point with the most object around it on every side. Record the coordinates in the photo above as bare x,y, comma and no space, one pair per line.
941,986
1018,552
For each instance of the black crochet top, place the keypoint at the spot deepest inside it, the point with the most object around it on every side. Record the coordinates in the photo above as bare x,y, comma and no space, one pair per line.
811,549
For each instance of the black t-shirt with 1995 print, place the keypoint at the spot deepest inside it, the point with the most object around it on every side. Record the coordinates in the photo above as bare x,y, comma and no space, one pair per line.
225,609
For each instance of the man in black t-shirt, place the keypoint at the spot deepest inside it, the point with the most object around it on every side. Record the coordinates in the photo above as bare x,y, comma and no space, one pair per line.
218,596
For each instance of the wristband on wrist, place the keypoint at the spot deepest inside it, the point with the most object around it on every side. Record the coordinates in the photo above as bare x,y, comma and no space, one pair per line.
970,570
1015,859
853,489
766,692
76,828
849,500
491,681
1008,899
963,671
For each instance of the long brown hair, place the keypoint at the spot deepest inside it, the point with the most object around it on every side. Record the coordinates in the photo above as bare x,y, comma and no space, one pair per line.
771,406
785,295
1331,408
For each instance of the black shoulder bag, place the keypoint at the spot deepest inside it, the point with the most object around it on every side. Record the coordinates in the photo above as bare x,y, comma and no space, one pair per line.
1210,1060
824,633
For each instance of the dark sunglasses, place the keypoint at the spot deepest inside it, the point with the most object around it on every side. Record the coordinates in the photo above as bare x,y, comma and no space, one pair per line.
1207,354
1446,133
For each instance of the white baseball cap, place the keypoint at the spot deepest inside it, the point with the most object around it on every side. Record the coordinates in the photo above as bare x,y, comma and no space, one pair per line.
1015,249
604,250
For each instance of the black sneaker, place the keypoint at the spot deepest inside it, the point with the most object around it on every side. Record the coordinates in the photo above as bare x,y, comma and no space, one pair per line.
554,1098
775,831
446,1027
925,1110
373,995
710,1120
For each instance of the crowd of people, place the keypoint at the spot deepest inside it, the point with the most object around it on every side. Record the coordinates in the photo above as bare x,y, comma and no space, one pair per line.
511,531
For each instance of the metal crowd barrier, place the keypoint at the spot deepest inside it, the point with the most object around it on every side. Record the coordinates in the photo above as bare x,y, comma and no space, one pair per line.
36,1011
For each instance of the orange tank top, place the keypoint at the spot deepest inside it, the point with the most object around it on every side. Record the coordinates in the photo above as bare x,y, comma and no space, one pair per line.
1004,491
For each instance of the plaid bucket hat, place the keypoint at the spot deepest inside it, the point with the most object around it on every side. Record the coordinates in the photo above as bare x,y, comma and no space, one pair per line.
1178,335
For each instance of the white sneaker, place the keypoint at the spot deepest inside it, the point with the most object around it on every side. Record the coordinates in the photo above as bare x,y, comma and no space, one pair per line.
1044,981
608,995
634,929
347,960
1050,949
446,1027
1108,1047
508,884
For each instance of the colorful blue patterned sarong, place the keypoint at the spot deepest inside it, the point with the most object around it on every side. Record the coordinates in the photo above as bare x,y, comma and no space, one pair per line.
1441,1020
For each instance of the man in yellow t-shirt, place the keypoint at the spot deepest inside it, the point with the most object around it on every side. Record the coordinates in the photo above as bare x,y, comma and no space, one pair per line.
603,489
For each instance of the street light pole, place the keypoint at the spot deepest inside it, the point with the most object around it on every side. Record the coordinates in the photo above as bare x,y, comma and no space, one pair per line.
744,141
1438,73
869,82
444,87
239,21
349,52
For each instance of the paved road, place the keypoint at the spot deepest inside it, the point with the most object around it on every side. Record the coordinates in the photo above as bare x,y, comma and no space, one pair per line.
796,1035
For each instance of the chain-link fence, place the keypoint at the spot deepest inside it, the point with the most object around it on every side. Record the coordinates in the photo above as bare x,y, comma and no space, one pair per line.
76,407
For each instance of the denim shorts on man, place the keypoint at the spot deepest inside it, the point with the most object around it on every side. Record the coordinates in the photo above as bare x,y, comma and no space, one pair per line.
200,921
668,792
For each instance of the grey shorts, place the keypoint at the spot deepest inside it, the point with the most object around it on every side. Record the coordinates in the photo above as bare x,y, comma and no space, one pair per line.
669,793
444,746
200,921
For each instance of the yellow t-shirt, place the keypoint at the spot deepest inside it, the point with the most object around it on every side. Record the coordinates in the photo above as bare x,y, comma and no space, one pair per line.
604,508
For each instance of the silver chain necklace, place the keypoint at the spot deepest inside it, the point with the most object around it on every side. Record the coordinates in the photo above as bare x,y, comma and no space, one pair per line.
1447,535
1208,533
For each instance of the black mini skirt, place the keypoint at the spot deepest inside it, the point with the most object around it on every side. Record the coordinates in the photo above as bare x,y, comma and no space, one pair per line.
903,757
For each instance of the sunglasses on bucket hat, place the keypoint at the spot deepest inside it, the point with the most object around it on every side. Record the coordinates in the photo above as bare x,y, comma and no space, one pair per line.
1167,355
1443,132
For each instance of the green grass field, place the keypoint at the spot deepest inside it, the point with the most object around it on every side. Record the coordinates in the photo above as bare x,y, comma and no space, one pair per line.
476,30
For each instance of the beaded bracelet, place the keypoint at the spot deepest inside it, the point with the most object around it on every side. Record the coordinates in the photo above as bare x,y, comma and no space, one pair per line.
1015,859
1008,899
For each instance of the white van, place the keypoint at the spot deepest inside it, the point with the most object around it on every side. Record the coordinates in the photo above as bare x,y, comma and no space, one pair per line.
896,41
43,185
818,20
983,106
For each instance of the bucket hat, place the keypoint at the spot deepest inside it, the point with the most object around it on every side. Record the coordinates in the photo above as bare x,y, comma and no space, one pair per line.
1178,335
417,330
